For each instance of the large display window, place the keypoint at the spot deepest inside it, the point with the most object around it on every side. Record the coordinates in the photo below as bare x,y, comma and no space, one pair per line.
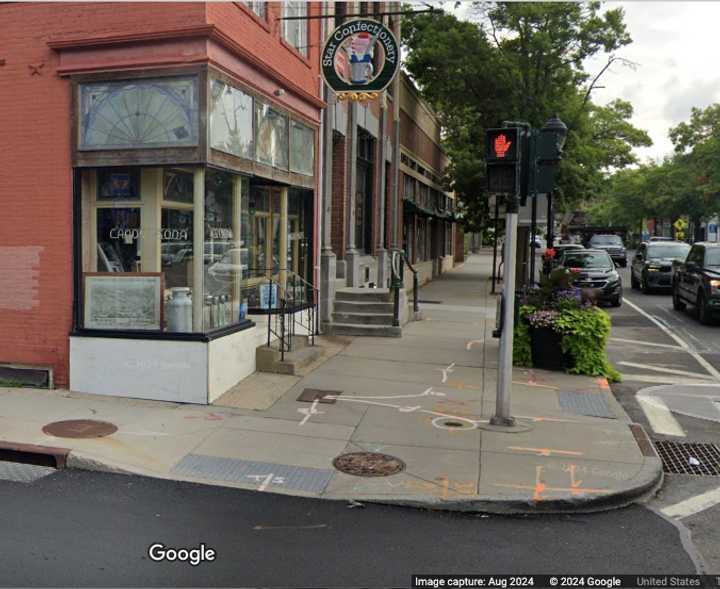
163,249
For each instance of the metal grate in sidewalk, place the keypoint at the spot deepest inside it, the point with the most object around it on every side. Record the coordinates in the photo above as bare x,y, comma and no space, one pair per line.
265,475
689,458
23,473
590,404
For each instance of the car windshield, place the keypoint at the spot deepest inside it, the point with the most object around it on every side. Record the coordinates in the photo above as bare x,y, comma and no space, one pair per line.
606,240
712,257
668,250
587,260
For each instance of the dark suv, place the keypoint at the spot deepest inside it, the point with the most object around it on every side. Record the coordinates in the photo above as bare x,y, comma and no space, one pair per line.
593,269
696,281
652,265
612,244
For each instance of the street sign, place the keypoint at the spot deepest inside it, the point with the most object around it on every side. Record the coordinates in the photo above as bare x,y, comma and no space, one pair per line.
680,224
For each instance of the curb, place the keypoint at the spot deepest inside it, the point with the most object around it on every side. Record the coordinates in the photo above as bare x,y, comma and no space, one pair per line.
32,453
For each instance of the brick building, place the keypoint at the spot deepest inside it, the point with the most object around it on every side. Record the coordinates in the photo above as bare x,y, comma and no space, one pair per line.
159,172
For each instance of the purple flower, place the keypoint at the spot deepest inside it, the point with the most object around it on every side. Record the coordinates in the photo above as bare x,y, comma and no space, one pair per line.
543,318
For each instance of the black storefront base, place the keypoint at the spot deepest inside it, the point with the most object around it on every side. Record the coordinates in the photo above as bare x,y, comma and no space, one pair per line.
165,335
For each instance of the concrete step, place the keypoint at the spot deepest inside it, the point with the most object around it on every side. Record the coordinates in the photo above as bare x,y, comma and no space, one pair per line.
360,330
269,359
363,318
363,307
380,295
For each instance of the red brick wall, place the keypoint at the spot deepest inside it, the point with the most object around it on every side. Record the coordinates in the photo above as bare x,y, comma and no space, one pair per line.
416,140
339,198
36,287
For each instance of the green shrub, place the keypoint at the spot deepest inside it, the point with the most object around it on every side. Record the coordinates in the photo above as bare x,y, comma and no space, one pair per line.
585,334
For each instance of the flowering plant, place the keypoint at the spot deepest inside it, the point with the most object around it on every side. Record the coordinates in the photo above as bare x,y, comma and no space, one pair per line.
543,318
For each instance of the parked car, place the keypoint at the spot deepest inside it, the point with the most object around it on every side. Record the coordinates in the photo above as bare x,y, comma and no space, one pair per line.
660,238
696,281
596,270
612,244
540,244
652,265
562,249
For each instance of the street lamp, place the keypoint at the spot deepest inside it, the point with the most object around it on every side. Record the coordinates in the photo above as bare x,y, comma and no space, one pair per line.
558,130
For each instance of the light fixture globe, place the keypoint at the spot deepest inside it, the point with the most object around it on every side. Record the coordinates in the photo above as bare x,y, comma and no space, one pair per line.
558,128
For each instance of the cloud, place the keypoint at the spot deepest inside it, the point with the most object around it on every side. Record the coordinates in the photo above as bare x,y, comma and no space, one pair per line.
698,94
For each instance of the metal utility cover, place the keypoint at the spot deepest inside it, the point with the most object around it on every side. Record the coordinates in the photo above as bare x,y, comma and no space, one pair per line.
368,464
23,473
80,428
591,404
310,395
265,475
676,458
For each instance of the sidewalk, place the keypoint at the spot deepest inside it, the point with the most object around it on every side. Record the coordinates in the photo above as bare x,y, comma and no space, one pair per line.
424,399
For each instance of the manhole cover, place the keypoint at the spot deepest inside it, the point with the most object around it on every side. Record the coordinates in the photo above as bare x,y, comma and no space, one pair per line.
79,428
689,458
368,464
454,423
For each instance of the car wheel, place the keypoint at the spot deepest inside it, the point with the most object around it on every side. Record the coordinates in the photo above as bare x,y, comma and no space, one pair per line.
624,263
634,284
678,305
703,311
616,301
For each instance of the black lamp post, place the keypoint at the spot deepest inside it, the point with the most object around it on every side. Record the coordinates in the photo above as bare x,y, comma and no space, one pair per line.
553,135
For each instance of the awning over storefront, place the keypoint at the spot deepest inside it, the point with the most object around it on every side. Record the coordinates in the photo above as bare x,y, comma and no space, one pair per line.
410,206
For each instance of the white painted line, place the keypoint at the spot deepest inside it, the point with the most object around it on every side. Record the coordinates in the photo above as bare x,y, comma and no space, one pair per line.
660,417
266,482
470,344
659,379
667,370
693,505
635,341
683,344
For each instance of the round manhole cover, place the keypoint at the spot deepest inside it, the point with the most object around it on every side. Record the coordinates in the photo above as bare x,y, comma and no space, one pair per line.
79,428
368,464
454,423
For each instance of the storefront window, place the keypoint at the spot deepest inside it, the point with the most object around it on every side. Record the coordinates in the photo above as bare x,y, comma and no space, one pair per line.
302,149
226,257
448,239
140,271
231,120
421,243
271,136
142,113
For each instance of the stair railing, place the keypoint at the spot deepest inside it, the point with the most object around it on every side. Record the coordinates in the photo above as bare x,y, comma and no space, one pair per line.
304,308
416,307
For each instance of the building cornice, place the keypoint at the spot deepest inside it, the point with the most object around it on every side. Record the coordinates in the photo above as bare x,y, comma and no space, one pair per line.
205,32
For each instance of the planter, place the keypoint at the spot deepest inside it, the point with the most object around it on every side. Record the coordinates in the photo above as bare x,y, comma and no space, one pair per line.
546,345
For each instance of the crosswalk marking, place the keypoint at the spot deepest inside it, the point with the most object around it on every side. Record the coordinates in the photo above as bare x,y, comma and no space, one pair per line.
660,417
695,375
693,505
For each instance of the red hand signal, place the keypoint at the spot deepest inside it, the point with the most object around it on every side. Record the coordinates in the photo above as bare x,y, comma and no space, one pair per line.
501,145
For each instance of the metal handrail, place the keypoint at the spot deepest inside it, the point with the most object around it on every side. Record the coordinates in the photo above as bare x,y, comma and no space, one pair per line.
416,306
311,309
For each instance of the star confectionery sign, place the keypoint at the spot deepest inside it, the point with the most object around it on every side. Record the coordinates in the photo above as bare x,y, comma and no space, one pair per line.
360,59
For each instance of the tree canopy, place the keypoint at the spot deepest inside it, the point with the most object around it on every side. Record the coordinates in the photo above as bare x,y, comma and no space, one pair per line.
522,61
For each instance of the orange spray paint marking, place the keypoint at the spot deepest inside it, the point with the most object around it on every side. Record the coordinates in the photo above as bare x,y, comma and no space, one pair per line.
535,384
539,485
603,383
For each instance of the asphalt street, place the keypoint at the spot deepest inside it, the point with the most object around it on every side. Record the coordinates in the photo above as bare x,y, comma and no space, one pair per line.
74,528
649,356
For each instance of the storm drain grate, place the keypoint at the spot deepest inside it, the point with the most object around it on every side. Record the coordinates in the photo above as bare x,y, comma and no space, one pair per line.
689,458
368,464
590,404
23,473
427,302
265,475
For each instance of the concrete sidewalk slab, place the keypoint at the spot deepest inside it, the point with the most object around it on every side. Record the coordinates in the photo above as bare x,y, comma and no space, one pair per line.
424,398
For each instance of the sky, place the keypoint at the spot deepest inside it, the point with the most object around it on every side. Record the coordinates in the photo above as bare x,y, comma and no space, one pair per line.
676,46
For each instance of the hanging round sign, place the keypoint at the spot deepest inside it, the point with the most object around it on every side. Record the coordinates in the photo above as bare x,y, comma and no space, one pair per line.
360,57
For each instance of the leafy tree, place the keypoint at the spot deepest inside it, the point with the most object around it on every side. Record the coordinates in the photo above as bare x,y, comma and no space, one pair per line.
521,61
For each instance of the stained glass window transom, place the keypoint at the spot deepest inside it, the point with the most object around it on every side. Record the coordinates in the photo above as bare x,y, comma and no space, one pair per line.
144,113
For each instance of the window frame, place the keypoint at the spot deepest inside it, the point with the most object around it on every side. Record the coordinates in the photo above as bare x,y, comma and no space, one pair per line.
302,50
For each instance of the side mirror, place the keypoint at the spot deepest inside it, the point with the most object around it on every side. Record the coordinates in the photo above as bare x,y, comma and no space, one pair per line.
617,264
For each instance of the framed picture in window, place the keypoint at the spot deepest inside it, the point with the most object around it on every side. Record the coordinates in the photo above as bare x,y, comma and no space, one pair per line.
123,301
118,184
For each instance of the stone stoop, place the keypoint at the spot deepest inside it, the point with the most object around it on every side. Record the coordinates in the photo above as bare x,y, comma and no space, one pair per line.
363,312
268,359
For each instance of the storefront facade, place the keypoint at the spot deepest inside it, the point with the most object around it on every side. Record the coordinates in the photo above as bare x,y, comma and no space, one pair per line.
430,230
181,177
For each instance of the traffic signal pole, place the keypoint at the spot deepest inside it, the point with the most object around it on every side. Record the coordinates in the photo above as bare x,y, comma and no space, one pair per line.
502,415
